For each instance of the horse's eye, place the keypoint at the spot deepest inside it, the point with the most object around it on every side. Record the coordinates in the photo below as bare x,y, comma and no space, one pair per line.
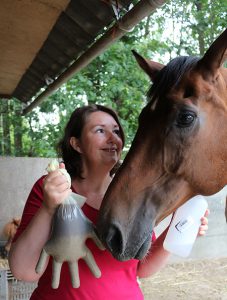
185,118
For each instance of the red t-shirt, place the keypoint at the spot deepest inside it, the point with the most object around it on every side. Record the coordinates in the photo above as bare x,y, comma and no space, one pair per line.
118,279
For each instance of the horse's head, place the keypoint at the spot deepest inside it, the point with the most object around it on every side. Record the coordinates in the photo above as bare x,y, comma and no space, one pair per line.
180,150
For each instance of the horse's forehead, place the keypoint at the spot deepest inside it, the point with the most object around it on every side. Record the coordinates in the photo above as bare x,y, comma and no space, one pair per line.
191,88
192,85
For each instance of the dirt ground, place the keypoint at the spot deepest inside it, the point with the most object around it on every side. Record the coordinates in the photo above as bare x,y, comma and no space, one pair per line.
192,280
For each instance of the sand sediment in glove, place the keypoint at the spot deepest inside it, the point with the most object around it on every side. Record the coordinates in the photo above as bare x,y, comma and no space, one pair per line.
70,230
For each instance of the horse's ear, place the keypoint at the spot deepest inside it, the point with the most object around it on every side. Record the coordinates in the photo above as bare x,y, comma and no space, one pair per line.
149,67
214,57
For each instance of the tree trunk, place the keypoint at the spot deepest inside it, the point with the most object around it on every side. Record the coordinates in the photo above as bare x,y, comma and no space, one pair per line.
199,7
18,147
147,26
1,129
6,129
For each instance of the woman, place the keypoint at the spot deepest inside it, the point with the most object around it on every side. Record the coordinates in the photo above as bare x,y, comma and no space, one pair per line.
91,149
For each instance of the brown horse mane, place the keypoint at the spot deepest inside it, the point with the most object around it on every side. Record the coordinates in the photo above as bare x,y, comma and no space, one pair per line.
169,76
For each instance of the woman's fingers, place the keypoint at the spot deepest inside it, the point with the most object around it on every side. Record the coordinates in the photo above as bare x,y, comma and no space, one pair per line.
203,229
207,212
204,223
61,165
55,189
55,178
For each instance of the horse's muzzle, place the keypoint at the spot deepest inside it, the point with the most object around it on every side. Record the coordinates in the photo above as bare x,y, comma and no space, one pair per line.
123,248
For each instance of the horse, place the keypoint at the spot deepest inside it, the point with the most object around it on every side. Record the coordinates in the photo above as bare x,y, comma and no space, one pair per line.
179,150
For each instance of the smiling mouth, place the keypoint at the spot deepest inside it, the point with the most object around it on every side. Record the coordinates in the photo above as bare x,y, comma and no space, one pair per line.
110,150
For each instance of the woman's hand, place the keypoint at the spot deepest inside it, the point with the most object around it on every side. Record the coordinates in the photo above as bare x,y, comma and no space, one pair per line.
55,189
204,224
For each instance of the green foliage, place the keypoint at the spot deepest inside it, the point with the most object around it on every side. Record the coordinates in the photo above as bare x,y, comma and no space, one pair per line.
114,79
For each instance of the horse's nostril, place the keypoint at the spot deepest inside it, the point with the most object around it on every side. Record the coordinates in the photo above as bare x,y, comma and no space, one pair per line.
114,240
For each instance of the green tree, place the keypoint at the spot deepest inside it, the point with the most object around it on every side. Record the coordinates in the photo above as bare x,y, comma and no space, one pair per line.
114,79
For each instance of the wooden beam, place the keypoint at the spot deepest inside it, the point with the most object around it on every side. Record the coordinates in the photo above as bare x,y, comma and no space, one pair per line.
141,10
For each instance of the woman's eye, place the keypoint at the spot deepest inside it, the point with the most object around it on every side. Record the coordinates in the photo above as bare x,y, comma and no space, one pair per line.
117,131
185,118
100,130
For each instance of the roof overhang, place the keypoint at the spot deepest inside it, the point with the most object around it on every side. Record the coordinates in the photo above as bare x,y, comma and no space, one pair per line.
44,43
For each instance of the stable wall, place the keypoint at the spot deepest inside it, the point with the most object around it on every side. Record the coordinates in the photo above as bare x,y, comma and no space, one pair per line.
17,176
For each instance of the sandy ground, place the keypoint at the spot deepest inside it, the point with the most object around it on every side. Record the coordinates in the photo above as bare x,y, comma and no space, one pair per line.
191,280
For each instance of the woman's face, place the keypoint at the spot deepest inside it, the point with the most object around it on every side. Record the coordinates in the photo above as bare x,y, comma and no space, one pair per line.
100,142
